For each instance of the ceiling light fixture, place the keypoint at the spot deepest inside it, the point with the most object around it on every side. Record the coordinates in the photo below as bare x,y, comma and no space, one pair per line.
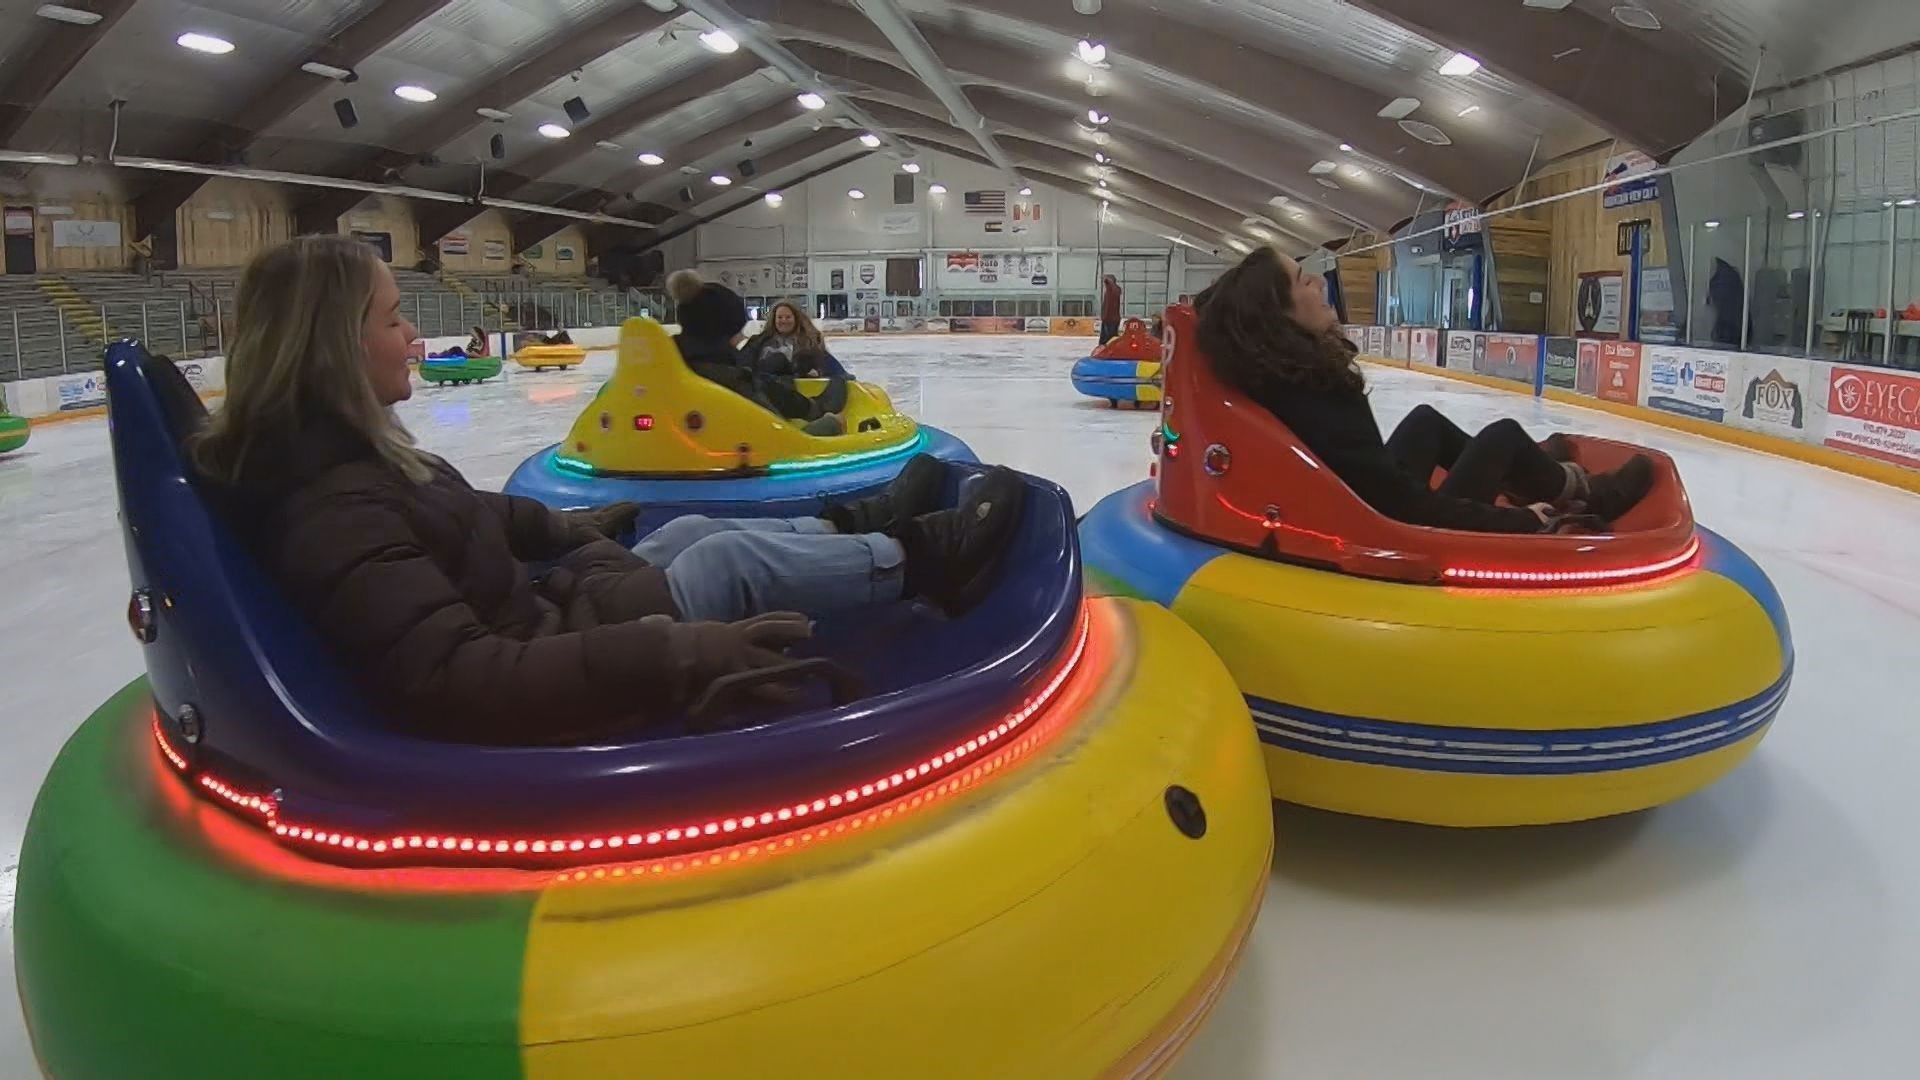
327,71
419,95
719,41
1459,65
1099,158
1910,201
811,101
870,140
65,14
651,158
1346,148
720,180
774,198
1097,118
495,114
1091,52
554,131
1400,108
909,166
1026,191
204,43
1321,168
937,189
1796,215
1468,111
856,193
1711,224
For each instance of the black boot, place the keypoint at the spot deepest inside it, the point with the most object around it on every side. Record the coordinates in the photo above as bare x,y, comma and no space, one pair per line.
1558,447
914,492
1612,494
952,554
830,424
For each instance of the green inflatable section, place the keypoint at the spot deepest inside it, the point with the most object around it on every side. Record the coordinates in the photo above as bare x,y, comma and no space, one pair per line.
14,432
145,951
472,369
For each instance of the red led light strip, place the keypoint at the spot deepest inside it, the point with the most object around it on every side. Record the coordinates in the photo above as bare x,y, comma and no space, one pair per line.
1613,576
644,842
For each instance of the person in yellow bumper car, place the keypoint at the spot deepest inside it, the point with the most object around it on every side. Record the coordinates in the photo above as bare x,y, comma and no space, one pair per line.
712,317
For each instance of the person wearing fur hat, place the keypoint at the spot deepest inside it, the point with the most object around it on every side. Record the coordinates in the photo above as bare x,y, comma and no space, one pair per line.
711,318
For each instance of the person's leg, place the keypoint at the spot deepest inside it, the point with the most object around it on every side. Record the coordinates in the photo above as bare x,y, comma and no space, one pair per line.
1426,440
1109,330
789,402
834,398
728,576
1504,458
665,544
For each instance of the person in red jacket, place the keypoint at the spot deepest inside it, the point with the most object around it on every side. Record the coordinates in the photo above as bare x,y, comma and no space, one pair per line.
1271,335
1109,309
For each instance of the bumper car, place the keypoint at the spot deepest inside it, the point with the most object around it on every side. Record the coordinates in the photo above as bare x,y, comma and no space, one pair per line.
659,435
459,370
1437,676
536,355
14,432
1029,842
1125,370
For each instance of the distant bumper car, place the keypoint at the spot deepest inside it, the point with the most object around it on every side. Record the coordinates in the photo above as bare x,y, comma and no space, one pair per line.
14,432
459,370
1437,676
659,435
1124,371
1033,846
537,355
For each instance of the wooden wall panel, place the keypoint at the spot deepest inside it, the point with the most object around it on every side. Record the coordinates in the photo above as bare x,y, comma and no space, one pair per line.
228,222
489,245
544,257
391,215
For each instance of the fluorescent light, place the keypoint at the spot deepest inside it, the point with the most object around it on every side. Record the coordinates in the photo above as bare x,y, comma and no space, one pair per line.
1711,224
720,180
910,166
554,131
1910,202
1460,64
494,114
205,43
1096,117
651,158
1091,52
1400,108
1322,167
1796,215
774,198
1102,185
1468,111
719,41
1099,158
62,13
1026,191
1238,246
856,193
1279,200
1261,233
870,140
811,101
1346,148
419,95
937,189
325,71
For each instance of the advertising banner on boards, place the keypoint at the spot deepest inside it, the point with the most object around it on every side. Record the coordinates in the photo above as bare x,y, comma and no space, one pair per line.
1769,394
1873,413
1072,326
1460,349
1689,382
1507,356
1562,363
1376,341
1586,379
1399,343
1424,347
1619,372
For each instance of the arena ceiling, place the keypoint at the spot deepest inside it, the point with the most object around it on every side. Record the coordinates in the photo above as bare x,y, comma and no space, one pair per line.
1222,119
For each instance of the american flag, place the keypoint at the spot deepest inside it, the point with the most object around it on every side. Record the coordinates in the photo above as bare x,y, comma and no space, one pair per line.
989,203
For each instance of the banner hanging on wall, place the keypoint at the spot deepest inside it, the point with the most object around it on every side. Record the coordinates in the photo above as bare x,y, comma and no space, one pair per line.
454,243
905,223
1626,182
1000,271
76,233
1598,304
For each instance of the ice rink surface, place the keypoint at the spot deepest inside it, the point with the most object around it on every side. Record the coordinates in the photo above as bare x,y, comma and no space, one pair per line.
1768,927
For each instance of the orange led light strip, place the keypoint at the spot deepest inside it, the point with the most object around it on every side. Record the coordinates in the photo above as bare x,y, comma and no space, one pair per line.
637,843
1615,575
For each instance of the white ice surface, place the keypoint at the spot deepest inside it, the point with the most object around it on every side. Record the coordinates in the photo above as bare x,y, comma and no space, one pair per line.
1768,927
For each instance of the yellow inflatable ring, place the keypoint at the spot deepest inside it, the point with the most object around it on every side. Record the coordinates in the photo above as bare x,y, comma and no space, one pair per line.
542,357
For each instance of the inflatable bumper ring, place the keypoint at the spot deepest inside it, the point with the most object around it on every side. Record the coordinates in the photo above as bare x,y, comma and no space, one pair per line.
1125,370
1445,677
14,432
538,357
459,370
659,435
235,869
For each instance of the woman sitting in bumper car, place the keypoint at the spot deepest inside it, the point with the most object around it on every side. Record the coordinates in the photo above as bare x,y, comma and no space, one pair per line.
791,347
423,584
711,318
1272,336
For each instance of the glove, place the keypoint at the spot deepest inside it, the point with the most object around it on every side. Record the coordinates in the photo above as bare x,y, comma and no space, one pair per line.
705,651
612,521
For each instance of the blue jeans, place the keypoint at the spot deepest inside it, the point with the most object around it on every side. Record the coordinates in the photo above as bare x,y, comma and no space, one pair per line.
725,570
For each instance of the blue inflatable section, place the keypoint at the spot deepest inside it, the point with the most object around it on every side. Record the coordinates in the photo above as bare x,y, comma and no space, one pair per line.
1113,380
1125,548
800,493
241,685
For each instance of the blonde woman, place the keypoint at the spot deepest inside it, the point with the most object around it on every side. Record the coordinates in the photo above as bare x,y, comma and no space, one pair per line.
791,347
421,585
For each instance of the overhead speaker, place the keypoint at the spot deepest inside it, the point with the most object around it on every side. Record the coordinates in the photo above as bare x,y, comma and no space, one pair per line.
497,146
343,110
686,195
576,110
747,168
